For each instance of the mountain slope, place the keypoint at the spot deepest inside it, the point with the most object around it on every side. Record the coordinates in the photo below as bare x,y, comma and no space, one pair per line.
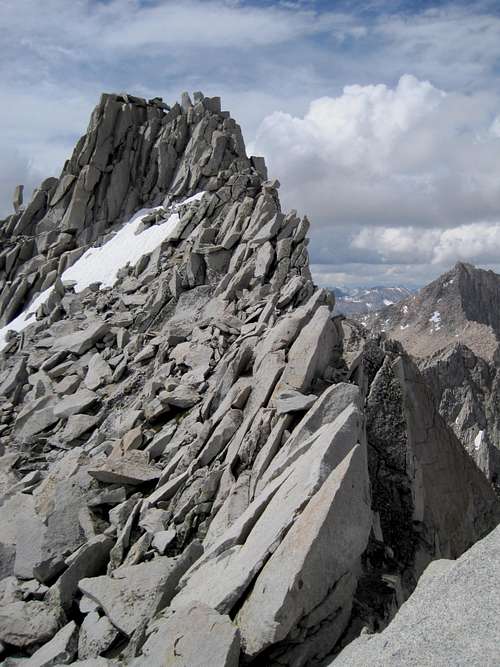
190,469
462,305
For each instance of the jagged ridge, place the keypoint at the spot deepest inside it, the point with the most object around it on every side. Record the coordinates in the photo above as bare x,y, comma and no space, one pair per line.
188,449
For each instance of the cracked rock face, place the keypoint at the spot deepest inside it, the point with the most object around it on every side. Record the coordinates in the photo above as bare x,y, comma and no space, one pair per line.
193,470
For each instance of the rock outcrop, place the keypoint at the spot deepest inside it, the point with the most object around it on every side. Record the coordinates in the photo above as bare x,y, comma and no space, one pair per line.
191,471
450,618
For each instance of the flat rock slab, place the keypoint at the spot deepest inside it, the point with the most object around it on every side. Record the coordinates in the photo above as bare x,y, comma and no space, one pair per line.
59,651
77,425
89,560
124,470
81,341
220,578
290,400
323,545
196,636
96,635
134,594
75,403
312,351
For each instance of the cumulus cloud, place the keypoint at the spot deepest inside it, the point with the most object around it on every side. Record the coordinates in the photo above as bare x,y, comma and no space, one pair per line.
412,154
477,243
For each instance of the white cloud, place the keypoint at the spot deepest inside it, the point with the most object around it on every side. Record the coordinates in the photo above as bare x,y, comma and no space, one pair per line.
476,243
411,154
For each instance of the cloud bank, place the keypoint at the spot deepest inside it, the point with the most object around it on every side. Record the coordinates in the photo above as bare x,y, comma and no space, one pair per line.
404,175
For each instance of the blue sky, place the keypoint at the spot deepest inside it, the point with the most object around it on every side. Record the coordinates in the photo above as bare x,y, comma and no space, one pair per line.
381,119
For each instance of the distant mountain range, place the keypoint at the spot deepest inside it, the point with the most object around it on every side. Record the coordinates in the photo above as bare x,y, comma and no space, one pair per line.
360,300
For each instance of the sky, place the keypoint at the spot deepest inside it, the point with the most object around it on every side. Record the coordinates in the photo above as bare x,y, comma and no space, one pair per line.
381,119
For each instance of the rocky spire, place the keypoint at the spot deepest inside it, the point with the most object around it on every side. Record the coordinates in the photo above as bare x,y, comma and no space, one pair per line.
134,154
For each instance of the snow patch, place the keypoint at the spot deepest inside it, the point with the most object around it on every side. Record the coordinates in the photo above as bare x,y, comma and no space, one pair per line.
387,302
103,264
478,440
435,319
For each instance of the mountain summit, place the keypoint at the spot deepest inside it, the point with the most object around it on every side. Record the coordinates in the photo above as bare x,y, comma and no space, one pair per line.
462,305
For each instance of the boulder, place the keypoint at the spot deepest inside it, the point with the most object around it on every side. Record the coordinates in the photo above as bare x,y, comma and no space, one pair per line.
90,560
135,593
60,650
126,469
81,341
312,351
97,633
75,403
99,372
298,588
195,636
222,576
77,425
290,400
25,624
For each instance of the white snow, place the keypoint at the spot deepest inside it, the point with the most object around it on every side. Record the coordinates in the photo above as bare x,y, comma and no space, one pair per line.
102,264
405,326
405,309
478,440
387,302
435,318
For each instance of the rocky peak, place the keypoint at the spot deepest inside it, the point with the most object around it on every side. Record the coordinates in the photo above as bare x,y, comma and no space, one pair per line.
135,154
462,305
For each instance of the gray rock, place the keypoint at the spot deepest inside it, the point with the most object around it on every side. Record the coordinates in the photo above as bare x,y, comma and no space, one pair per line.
135,593
25,624
450,619
77,425
90,560
182,397
324,544
14,511
97,634
126,469
17,200
15,378
221,578
81,341
325,411
33,421
312,351
196,636
75,403
163,539
221,436
99,372
290,400
60,650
